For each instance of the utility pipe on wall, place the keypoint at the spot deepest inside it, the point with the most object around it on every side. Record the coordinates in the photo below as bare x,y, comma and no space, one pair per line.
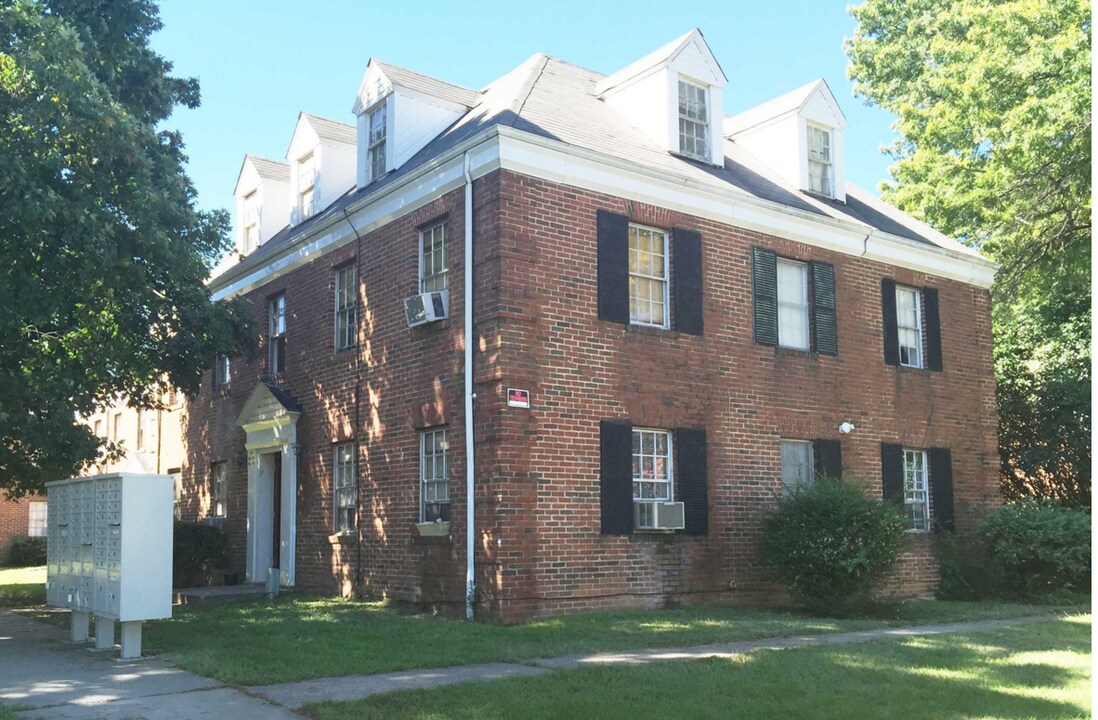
470,535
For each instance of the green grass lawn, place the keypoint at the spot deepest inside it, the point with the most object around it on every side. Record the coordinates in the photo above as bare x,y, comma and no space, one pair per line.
22,587
1033,671
265,642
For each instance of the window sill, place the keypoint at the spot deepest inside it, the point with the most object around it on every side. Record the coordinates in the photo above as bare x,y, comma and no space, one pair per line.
342,538
431,533
651,330
914,370
223,391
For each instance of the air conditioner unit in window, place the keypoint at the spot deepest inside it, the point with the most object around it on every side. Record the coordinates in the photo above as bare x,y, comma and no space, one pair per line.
659,515
427,307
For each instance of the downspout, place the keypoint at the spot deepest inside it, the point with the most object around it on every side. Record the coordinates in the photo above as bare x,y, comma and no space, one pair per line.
470,580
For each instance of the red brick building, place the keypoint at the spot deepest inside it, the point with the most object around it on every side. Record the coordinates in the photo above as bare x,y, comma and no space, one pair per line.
700,310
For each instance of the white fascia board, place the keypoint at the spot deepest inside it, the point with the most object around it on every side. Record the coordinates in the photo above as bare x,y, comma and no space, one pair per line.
568,165
430,182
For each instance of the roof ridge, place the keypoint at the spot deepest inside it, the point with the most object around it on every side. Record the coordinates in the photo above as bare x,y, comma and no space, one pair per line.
326,119
385,63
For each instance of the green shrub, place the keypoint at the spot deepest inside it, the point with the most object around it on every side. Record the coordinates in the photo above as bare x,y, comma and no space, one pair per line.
198,554
830,545
965,570
27,551
1041,547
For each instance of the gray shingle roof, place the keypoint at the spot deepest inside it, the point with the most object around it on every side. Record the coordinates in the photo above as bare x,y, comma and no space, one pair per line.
270,169
556,100
428,85
332,129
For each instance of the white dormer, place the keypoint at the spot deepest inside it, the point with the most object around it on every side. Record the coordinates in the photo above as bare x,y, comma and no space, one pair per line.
262,202
400,111
800,136
322,164
673,95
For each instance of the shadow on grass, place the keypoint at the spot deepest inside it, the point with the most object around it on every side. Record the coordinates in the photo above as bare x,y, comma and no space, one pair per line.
1038,670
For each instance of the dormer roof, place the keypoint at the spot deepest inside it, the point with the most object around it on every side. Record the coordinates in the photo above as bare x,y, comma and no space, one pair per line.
386,75
266,170
326,129
790,103
662,56
312,129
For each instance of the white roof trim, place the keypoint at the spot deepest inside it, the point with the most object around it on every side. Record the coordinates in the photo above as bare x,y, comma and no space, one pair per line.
559,162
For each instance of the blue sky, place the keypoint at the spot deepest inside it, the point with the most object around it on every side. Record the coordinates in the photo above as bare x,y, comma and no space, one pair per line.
260,63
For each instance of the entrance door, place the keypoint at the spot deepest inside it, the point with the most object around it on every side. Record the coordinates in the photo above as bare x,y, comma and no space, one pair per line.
276,519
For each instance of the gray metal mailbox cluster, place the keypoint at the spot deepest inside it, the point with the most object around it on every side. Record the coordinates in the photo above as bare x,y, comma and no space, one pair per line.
109,554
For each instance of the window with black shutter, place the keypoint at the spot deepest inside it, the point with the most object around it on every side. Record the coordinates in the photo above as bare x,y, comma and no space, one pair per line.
794,303
829,458
692,478
941,488
616,476
636,285
911,323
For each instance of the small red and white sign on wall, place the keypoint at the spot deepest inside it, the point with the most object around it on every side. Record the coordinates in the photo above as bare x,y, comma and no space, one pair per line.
518,398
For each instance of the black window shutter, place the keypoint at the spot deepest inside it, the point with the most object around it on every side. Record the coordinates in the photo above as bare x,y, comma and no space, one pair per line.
613,269
829,458
686,249
941,487
892,472
888,316
616,476
764,286
692,477
824,325
933,329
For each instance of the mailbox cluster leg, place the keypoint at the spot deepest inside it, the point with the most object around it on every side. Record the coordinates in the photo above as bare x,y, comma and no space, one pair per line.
131,640
104,633
79,626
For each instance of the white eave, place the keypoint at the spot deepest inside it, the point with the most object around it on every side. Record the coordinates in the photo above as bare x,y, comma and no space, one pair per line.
659,58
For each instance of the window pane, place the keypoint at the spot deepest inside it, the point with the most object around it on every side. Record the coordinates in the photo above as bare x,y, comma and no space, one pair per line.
797,468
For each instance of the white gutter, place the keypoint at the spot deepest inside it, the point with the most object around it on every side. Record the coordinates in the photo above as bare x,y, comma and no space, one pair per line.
470,465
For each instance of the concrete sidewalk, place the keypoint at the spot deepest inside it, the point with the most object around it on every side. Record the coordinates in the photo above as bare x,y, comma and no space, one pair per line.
41,669
356,687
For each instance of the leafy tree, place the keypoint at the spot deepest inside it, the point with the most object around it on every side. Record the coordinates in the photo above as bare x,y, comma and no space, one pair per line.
992,100
103,255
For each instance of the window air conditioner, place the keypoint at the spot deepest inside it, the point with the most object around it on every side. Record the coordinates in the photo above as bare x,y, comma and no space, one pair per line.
427,307
659,515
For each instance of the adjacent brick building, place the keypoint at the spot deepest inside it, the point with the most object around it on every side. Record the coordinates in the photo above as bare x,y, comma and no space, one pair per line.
675,316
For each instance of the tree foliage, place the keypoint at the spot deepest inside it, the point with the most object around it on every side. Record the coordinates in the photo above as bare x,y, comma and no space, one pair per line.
992,103
103,254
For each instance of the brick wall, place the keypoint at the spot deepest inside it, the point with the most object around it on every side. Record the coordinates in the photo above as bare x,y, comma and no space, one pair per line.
14,518
539,550
745,395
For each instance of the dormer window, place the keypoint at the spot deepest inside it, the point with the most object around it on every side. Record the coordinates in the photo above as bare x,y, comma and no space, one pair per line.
375,153
306,183
819,161
251,222
693,121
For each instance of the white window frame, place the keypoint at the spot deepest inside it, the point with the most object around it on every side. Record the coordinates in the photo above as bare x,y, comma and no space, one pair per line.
901,327
276,334
223,372
251,223
377,136
432,279
916,490
346,307
645,478
693,121
37,518
636,277
344,488
798,304
306,193
219,486
434,485
824,162
789,483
